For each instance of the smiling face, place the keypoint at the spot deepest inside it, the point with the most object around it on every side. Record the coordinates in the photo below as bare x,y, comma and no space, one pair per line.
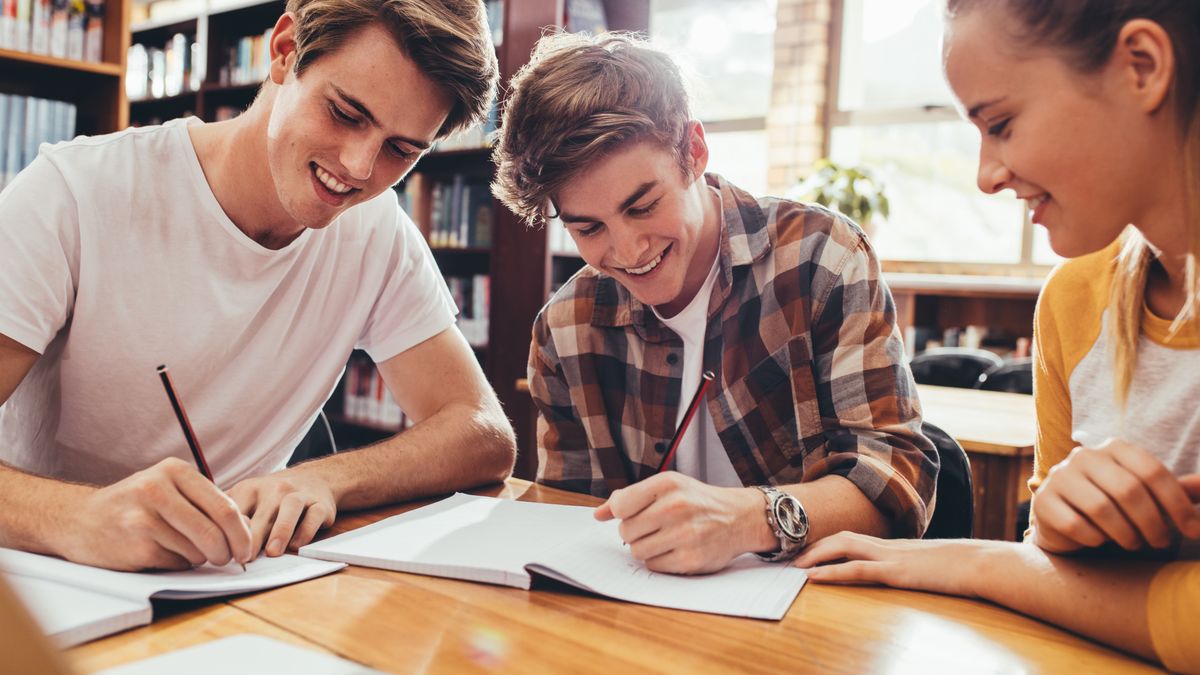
350,127
1078,148
636,216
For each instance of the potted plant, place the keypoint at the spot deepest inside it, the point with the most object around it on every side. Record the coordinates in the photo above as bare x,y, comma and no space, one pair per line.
852,191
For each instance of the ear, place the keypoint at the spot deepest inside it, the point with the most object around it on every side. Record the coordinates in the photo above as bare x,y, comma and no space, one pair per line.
1146,61
283,48
697,149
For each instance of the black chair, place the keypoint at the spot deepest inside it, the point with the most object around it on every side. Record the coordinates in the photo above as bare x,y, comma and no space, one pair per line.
1014,376
318,442
954,513
953,366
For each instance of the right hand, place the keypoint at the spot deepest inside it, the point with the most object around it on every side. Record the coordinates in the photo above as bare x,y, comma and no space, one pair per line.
168,516
1114,492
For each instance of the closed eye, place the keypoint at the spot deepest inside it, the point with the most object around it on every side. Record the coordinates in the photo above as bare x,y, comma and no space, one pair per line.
998,128
589,230
341,115
644,210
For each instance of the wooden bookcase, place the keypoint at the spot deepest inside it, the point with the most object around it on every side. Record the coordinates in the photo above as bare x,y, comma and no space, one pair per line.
96,89
215,31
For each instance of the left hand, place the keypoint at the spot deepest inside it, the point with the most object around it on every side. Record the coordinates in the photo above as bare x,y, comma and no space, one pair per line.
286,509
940,566
680,525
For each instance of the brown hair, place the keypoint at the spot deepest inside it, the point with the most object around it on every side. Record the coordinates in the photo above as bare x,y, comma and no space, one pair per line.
449,40
1085,32
578,99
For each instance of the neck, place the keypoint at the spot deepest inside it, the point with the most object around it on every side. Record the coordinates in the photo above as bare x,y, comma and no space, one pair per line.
1166,229
706,251
233,156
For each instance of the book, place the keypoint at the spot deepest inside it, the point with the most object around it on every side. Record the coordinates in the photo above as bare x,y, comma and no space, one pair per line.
242,654
76,603
506,542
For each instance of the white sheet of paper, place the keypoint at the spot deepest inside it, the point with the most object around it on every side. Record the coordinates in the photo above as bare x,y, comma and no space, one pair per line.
71,616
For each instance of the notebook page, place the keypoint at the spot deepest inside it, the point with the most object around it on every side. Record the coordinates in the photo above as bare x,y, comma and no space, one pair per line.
205,581
242,654
462,537
72,616
600,562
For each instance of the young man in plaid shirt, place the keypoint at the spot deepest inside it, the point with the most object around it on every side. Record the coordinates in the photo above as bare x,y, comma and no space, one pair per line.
782,301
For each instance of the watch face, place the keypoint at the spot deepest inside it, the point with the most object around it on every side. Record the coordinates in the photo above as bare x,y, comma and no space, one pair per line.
791,518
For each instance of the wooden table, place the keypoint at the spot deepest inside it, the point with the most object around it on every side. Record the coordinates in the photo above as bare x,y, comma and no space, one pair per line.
997,430
407,623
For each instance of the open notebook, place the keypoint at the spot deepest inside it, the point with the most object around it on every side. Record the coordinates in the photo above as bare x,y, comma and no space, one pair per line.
501,541
75,603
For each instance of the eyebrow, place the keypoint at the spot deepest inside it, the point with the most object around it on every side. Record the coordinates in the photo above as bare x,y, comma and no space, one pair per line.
973,113
366,112
629,201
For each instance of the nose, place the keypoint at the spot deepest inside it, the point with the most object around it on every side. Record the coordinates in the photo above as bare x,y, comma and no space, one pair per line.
993,175
629,244
358,157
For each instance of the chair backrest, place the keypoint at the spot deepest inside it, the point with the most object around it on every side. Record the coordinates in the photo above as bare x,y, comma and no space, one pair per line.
953,366
954,512
318,442
1015,376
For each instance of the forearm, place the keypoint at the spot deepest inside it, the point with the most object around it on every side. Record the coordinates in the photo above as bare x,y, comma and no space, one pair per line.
458,447
33,509
1104,600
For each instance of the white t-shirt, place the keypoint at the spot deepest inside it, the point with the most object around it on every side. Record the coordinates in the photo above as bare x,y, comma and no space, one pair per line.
115,257
700,454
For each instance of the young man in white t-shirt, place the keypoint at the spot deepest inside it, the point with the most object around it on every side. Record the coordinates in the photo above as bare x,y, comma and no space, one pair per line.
810,425
250,257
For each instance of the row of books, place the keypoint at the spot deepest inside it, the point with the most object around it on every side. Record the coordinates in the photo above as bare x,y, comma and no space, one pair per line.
473,295
65,29
27,122
248,61
153,72
366,399
460,213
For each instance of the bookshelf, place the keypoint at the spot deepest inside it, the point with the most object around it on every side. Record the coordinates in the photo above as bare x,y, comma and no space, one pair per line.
95,88
206,83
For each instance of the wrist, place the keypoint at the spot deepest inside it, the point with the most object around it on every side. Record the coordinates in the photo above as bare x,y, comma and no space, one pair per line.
987,563
757,532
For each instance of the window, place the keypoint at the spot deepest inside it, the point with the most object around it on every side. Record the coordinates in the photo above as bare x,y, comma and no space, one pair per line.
726,49
895,115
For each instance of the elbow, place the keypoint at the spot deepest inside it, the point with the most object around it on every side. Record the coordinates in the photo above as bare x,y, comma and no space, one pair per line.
500,447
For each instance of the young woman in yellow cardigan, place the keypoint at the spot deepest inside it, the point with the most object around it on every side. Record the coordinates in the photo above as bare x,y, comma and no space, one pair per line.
1088,111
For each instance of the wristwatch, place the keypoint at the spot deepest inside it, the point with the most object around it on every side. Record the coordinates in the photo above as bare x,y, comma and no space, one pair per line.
788,521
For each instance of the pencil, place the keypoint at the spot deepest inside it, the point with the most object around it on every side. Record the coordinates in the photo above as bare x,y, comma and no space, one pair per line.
186,425
705,379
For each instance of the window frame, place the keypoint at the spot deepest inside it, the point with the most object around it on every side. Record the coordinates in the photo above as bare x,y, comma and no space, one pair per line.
835,117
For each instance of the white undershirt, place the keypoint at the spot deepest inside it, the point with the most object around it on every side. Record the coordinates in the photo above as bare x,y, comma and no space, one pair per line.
700,454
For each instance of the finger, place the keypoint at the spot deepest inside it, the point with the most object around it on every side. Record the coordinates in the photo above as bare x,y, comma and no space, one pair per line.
1164,487
851,572
175,543
630,501
683,561
603,512
1060,528
1117,503
841,546
220,509
290,511
260,524
1191,485
642,525
182,515
315,517
653,546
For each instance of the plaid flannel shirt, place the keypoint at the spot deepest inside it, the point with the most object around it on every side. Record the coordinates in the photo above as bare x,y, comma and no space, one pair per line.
810,377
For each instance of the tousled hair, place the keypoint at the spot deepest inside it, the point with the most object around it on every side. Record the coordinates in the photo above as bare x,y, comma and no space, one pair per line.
449,40
579,99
